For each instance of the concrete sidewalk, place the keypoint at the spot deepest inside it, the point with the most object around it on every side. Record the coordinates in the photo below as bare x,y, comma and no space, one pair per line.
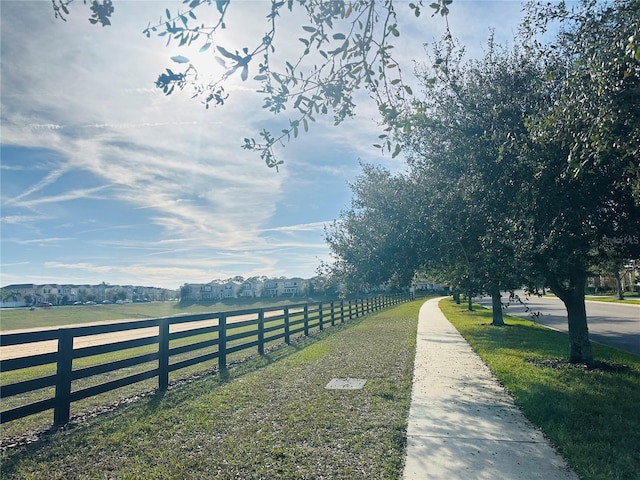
462,423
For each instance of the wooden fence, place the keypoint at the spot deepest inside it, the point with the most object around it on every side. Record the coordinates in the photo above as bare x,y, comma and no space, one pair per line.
213,335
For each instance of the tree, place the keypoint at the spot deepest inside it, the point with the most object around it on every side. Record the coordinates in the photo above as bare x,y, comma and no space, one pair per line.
345,46
596,113
584,160
83,295
451,212
464,138
10,295
376,240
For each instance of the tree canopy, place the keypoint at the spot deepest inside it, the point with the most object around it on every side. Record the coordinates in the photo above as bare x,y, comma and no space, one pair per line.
525,164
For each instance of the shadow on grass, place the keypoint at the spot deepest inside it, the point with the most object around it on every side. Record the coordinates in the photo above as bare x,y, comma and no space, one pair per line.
590,415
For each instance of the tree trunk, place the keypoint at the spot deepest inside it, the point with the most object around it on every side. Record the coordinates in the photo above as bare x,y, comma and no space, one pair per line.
456,297
619,286
573,299
496,306
469,302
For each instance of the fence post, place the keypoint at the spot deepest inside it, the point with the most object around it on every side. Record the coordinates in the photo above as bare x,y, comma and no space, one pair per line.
320,325
306,319
261,332
222,342
62,407
333,314
350,313
163,354
341,311
287,337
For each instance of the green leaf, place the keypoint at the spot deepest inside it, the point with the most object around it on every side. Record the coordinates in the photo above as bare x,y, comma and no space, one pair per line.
180,59
227,54
339,36
220,4
205,47
396,151
309,29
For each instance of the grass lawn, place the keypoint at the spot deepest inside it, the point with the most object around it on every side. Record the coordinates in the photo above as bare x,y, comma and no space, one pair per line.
269,417
591,416
17,318
630,300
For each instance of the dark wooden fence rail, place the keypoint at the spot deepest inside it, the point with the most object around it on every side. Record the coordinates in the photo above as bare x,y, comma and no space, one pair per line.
227,332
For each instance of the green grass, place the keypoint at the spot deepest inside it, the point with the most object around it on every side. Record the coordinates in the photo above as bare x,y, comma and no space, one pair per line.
591,416
631,301
17,318
269,417
42,421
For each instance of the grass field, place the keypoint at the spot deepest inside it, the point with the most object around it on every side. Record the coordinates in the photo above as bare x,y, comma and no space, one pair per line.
270,417
18,318
592,416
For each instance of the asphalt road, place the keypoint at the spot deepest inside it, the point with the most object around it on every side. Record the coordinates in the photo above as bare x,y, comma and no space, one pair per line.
613,324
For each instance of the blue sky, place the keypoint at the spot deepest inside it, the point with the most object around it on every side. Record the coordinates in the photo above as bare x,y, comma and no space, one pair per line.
106,179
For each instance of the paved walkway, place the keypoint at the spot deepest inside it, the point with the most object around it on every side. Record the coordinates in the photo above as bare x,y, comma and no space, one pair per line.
462,423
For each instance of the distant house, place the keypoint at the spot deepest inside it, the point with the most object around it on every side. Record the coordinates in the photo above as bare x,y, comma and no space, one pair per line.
207,292
200,291
230,289
251,288
271,288
294,287
68,293
426,286
14,295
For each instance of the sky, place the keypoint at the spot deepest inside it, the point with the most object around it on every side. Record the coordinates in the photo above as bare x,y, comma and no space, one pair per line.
106,179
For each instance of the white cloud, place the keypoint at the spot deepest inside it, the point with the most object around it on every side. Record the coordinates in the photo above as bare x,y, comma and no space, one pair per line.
164,192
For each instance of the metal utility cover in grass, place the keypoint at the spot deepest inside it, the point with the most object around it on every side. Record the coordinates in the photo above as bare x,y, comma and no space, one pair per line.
346,384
